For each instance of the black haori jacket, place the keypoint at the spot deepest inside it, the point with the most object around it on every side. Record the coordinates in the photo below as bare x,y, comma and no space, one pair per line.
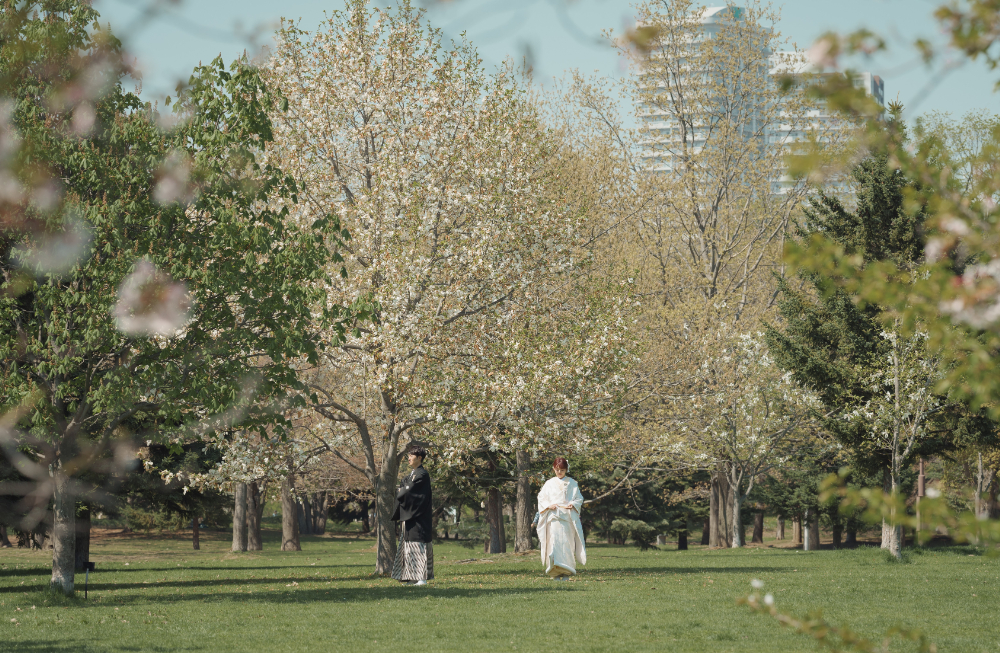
413,507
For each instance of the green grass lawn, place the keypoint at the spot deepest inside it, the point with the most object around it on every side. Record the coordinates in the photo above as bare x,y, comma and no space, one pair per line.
153,593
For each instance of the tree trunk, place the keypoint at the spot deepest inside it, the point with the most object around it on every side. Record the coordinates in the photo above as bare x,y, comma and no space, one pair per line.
261,500
892,535
239,517
779,532
682,539
385,503
979,499
289,518
255,541
737,539
720,512
738,498
366,524
522,517
891,539
4,542
758,528
494,517
42,539
986,489
838,531
63,533
807,541
322,506
852,536
714,534
661,540
196,533
303,511
82,545
705,532
797,530
811,526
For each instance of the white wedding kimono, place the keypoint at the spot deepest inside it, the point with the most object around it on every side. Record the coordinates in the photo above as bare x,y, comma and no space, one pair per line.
560,533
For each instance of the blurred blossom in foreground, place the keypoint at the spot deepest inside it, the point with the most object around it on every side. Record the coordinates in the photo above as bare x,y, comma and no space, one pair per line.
823,53
10,189
168,121
151,303
90,84
979,305
173,179
10,140
55,253
46,196
84,117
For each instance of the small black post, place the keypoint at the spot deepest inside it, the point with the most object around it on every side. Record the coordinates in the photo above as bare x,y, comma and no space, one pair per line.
86,582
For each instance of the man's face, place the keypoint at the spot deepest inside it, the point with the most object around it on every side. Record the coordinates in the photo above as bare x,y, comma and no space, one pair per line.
413,460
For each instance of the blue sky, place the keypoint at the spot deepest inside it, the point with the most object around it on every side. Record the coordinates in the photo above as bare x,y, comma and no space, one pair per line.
558,34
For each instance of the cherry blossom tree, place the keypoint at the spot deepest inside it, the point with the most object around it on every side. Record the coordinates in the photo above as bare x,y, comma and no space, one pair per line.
746,415
459,241
899,411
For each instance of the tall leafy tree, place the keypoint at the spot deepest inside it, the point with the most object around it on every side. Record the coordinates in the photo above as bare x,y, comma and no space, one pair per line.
463,233
155,280
827,339
848,350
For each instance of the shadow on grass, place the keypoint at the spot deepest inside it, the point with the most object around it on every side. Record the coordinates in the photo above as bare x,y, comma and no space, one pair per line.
450,569
608,573
332,595
95,576
212,536
38,646
5,573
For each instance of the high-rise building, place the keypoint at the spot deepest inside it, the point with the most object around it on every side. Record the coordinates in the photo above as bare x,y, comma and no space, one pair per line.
673,131
818,123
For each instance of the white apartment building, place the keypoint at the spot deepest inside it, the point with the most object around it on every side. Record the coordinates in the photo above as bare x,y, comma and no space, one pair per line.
665,142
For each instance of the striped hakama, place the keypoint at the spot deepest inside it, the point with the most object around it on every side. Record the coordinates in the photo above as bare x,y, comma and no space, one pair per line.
414,561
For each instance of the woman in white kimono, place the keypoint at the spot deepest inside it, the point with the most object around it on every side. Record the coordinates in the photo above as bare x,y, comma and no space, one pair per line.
560,533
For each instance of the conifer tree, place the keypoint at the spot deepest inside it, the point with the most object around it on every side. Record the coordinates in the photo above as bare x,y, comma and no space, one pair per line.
839,346
828,340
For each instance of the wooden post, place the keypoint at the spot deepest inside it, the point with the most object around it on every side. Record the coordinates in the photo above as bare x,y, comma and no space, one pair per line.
83,539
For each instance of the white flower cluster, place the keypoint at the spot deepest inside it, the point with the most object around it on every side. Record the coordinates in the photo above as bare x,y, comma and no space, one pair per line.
902,394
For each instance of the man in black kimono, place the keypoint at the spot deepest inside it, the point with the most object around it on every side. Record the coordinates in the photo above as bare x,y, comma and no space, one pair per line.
415,556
